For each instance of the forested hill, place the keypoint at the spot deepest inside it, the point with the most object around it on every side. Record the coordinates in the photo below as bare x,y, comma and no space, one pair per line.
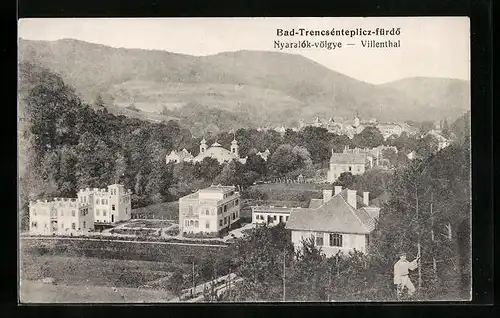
246,87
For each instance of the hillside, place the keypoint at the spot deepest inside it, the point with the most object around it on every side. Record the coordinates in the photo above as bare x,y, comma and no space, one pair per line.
437,94
265,88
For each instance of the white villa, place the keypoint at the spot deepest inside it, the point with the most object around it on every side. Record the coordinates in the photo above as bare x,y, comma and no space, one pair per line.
209,210
74,216
339,223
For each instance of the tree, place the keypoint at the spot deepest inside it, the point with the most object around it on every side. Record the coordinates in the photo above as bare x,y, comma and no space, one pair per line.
99,103
284,160
370,137
229,175
177,283
391,155
346,180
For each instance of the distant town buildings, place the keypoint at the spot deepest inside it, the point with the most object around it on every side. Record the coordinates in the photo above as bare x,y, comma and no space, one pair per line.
210,210
78,215
354,126
340,222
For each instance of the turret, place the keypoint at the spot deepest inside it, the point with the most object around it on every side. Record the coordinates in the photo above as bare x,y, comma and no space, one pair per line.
203,145
234,147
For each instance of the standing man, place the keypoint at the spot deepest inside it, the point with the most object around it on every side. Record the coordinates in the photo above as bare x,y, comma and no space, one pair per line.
401,270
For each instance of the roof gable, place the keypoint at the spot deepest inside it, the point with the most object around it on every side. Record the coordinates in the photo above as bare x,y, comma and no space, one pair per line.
336,215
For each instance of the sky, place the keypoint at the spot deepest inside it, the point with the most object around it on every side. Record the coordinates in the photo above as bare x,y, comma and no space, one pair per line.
429,46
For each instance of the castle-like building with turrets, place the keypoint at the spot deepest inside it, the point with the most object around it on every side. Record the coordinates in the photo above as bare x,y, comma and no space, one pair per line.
78,215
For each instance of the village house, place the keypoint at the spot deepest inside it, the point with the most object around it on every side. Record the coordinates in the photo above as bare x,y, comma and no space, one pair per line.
270,215
355,163
209,210
79,215
341,222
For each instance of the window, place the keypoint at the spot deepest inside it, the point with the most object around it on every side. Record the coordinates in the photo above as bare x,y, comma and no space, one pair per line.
113,207
219,210
33,224
73,226
97,201
350,168
336,239
104,201
84,199
126,210
286,219
103,212
234,215
257,216
72,212
274,217
225,208
84,224
207,224
191,222
207,211
190,209
34,212
62,225
220,222
319,239
225,220
97,212
196,224
236,202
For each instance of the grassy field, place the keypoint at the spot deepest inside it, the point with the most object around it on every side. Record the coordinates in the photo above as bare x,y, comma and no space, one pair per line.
37,292
165,210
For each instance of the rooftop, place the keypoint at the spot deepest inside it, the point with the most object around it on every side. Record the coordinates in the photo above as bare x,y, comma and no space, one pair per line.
336,215
218,189
348,158
271,209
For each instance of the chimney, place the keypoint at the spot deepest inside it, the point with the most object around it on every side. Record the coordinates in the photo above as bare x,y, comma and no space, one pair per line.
338,189
327,195
366,198
351,198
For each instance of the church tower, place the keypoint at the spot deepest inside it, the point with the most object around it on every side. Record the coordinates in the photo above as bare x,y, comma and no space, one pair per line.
203,146
356,120
234,147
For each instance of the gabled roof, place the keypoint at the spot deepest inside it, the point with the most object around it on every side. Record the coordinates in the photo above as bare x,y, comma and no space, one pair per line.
336,215
348,158
315,203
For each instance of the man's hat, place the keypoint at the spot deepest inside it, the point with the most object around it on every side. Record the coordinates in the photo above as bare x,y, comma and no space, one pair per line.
401,254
